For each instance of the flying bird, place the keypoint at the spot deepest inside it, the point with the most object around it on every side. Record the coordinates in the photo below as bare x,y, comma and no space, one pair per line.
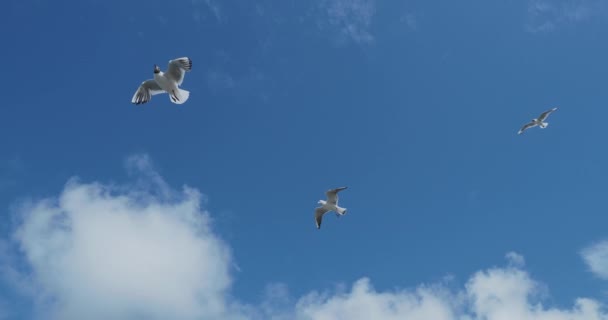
537,122
330,205
168,82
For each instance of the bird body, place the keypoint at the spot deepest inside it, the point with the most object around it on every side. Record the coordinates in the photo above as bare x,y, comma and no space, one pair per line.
330,205
165,82
540,121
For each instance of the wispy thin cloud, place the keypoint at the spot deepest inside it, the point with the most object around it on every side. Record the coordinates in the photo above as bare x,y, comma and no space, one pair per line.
215,8
350,20
220,80
515,259
211,5
547,16
251,83
410,20
163,20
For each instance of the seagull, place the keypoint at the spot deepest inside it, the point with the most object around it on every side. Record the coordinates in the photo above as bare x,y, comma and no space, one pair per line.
537,122
168,82
330,205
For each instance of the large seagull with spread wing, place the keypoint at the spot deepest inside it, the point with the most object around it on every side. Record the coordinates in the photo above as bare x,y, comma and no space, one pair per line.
330,205
168,82
537,122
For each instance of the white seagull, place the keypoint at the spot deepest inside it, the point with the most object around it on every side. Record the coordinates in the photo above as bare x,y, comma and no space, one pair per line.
537,122
168,82
330,205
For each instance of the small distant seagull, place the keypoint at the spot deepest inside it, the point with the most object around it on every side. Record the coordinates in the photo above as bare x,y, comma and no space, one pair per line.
537,122
330,205
168,82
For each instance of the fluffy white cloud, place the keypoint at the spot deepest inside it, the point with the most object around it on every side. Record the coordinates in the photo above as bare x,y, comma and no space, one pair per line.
596,258
125,252
509,293
494,294
363,302
146,251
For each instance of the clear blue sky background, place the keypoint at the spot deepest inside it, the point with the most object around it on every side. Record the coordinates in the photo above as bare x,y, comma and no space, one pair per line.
416,110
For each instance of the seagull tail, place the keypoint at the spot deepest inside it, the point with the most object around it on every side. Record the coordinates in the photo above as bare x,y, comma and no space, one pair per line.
341,211
179,96
544,125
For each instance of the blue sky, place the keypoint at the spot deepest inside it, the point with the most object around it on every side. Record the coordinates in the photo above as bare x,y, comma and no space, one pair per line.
414,105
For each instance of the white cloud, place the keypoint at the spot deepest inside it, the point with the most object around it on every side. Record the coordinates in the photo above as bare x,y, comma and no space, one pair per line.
363,302
546,15
351,19
146,251
104,252
596,258
493,294
509,293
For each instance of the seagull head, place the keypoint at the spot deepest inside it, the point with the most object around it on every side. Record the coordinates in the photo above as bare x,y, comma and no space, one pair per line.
322,202
156,69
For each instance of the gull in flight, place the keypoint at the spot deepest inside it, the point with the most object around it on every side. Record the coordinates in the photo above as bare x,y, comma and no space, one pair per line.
168,82
537,122
330,205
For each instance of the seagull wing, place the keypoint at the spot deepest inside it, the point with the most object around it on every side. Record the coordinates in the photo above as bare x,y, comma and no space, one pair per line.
177,69
319,212
545,114
145,91
527,126
332,195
